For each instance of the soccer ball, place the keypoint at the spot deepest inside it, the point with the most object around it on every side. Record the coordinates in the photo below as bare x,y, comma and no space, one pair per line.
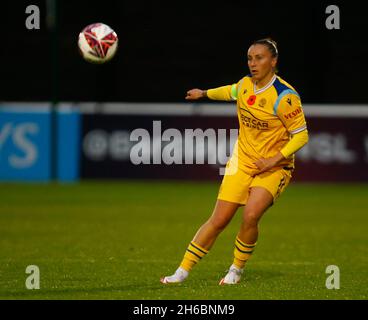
97,43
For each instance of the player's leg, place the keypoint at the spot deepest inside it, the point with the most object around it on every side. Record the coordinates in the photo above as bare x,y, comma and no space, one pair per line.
204,239
220,218
264,190
258,201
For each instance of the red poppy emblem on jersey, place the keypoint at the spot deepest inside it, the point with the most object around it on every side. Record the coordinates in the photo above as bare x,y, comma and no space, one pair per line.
251,100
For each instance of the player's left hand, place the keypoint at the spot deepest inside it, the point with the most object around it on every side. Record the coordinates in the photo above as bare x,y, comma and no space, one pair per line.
265,164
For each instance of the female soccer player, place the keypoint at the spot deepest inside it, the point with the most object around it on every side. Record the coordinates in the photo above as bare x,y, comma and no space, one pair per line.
272,128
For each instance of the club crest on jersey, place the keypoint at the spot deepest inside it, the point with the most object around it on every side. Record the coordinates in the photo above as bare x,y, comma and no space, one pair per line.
251,100
262,103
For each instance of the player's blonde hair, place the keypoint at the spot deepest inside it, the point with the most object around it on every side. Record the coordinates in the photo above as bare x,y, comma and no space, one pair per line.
270,44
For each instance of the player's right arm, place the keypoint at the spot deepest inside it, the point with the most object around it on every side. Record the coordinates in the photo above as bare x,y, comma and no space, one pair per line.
224,93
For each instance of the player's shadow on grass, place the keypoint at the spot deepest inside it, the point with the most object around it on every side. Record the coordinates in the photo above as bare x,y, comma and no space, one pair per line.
263,275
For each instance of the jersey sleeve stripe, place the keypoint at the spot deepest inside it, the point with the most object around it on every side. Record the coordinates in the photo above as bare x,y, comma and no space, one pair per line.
283,94
298,130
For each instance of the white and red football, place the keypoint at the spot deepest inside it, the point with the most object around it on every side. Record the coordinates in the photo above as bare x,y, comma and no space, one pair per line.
98,43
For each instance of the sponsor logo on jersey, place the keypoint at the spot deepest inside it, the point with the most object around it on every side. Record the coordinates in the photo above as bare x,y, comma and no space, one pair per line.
293,114
251,122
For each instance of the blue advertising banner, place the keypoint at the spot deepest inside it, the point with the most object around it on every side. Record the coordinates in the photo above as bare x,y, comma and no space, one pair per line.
25,144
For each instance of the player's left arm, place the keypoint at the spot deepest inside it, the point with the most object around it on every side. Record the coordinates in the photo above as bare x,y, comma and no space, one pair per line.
290,111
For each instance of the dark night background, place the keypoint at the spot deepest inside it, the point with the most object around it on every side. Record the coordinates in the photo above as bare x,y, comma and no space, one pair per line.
166,48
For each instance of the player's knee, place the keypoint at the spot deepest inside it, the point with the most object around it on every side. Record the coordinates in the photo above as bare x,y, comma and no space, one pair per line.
218,224
251,217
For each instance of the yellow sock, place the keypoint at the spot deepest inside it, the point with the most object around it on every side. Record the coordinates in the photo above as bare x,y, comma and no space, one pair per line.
193,254
242,252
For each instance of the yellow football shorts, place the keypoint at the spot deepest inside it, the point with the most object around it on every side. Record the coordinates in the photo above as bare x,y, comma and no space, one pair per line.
236,185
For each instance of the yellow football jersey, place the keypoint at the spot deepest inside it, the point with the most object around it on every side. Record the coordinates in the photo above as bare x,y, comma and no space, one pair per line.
268,117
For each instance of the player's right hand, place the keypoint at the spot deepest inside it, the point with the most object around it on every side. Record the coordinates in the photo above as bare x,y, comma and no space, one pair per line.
195,94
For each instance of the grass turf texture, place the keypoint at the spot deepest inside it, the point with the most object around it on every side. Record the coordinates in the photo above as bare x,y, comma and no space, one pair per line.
113,240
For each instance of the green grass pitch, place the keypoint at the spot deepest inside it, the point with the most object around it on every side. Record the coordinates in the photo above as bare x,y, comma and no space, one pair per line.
113,240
